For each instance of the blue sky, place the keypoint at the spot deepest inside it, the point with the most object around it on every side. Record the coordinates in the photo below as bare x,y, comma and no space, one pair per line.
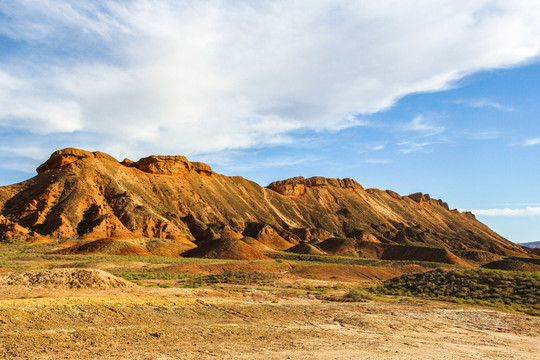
440,98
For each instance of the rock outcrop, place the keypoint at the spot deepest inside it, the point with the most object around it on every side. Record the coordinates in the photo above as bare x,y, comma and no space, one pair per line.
296,186
170,165
69,155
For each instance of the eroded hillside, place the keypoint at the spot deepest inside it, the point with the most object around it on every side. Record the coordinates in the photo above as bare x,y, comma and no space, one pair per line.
90,195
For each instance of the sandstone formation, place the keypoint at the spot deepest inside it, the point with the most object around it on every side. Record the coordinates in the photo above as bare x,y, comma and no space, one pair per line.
81,195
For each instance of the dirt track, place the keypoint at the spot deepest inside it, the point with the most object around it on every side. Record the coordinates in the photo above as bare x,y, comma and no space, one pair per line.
144,323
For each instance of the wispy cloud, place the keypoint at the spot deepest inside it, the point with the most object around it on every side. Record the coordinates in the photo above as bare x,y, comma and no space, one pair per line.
149,76
32,152
422,127
376,147
527,211
378,161
484,103
531,142
408,147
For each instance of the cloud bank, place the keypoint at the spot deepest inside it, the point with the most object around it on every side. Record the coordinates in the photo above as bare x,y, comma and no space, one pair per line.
192,77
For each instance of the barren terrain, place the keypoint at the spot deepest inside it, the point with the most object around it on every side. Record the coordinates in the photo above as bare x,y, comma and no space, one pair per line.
154,323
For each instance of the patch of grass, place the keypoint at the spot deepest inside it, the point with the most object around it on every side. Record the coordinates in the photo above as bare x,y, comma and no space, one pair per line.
359,294
514,290
241,278
142,274
343,260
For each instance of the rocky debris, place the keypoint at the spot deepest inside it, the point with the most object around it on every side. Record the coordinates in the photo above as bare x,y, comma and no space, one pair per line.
69,155
65,279
267,235
296,186
228,248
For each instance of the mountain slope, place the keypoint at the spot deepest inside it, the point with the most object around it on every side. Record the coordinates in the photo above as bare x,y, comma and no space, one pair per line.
80,194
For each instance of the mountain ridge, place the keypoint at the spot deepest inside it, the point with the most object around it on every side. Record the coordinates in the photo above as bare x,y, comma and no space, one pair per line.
85,195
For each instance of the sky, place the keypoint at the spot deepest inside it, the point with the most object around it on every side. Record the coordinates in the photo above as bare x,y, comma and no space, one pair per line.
437,96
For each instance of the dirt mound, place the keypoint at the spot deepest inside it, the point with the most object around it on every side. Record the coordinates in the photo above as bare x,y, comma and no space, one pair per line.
228,233
420,253
306,249
228,248
256,244
513,265
64,278
168,247
352,247
106,247
478,257
267,235
67,244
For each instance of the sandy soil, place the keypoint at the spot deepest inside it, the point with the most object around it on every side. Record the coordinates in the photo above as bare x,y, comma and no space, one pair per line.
152,323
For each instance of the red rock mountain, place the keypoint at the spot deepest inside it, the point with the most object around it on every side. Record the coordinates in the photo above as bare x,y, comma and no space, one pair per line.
79,194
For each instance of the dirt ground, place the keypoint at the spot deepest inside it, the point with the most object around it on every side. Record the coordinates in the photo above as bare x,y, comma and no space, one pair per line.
156,323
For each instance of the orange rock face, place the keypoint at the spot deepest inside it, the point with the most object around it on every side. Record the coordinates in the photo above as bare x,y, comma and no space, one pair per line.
169,165
296,186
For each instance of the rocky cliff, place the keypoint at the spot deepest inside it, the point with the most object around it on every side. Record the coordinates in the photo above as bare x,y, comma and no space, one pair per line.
90,195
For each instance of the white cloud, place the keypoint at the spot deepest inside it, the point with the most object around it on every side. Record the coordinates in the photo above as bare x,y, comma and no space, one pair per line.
531,142
408,147
484,103
420,125
150,76
375,147
32,152
527,211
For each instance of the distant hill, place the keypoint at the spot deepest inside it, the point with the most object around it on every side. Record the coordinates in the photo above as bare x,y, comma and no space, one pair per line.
82,195
532,245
